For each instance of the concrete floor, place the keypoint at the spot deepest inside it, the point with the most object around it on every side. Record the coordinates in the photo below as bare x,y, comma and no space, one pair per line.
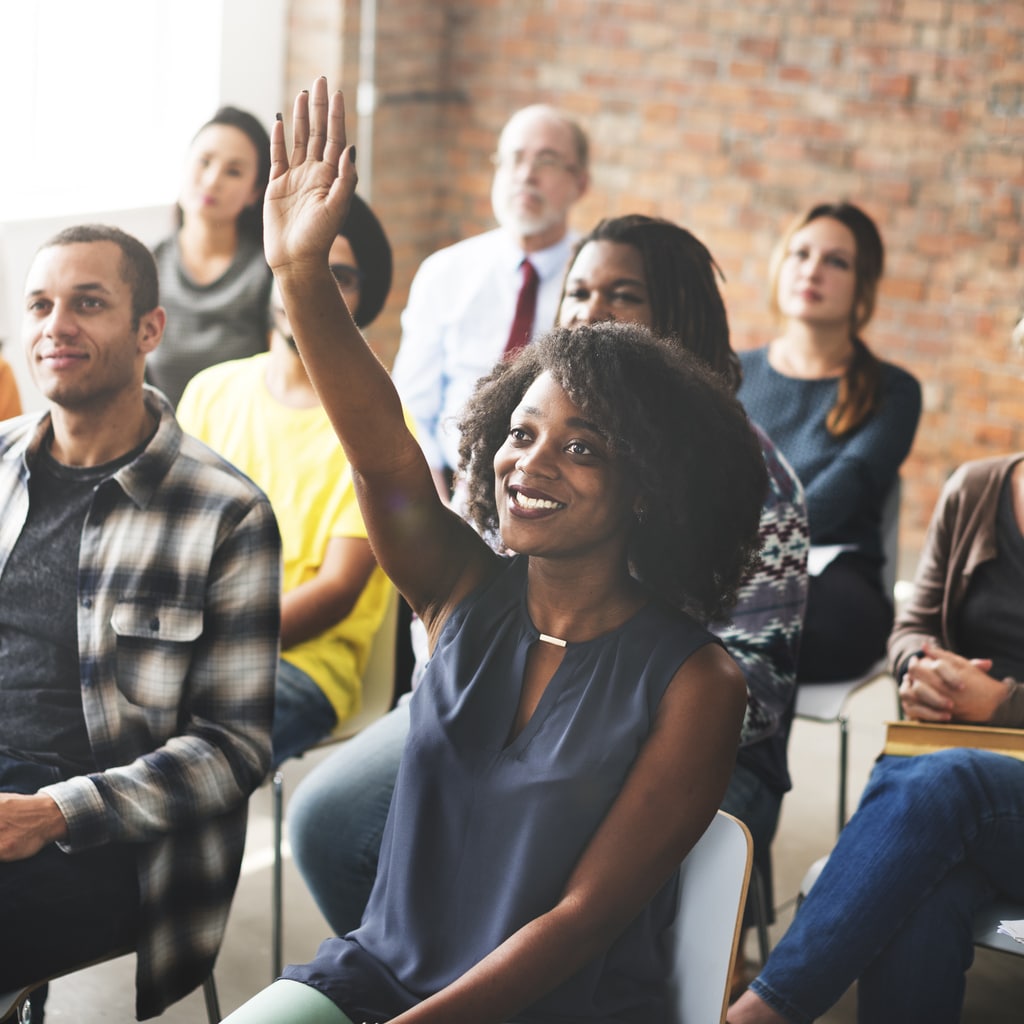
995,992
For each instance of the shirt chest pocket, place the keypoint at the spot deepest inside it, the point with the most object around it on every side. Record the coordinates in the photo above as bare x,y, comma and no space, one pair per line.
154,648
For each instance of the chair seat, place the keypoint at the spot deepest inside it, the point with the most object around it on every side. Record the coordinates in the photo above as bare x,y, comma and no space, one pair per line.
986,925
824,702
10,1001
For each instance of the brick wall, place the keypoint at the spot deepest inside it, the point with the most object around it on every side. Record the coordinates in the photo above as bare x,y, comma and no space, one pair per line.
731,118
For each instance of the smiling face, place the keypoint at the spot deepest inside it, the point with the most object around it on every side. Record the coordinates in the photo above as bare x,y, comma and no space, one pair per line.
559,490
606,282
82,346
537,177
220,175
817,280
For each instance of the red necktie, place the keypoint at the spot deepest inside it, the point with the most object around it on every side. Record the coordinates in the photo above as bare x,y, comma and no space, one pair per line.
526,308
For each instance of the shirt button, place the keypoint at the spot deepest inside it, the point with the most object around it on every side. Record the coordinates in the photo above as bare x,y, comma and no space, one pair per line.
154,623
86,602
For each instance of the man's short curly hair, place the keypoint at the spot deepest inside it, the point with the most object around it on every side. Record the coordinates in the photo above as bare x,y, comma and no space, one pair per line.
687,442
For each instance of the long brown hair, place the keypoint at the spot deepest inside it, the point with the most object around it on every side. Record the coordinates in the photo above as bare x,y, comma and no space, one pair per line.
859,386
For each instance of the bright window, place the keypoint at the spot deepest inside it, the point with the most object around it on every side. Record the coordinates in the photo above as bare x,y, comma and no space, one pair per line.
102,97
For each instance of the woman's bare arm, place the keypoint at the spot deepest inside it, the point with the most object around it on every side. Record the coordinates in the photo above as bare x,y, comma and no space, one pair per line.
433,557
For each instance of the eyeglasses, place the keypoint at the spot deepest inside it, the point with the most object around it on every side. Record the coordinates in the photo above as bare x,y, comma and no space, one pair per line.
349,278
547,161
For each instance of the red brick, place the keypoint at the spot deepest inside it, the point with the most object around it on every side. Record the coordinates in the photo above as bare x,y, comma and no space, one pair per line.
731,119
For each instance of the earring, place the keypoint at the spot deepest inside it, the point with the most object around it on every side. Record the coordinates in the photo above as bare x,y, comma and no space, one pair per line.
640,513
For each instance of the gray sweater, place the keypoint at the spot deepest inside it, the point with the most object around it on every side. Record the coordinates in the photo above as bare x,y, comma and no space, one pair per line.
207,324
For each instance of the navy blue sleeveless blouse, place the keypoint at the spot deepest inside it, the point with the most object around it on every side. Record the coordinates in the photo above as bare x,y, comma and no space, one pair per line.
483,834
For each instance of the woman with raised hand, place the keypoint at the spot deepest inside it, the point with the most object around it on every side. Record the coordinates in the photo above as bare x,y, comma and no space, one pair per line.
649,271
845,421
214,279
576,727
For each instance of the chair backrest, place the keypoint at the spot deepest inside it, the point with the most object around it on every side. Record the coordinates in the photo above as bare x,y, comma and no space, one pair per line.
891,536
379,675
713,884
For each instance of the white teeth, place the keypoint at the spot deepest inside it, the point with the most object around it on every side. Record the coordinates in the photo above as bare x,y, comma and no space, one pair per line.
533,503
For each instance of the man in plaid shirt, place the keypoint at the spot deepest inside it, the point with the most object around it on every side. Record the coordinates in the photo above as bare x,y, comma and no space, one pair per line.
139,618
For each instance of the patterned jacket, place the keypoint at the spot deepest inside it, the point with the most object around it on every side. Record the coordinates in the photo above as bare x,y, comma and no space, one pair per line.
178,621
767,621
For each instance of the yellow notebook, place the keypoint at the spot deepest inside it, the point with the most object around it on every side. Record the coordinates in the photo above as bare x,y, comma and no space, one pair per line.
908,738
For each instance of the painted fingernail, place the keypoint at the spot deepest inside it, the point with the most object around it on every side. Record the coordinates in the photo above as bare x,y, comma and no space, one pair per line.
278,117
352,154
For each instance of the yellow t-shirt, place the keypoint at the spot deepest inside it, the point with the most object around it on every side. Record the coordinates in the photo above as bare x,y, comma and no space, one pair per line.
295,457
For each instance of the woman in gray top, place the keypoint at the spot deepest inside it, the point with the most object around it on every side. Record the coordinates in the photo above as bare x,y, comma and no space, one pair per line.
214,280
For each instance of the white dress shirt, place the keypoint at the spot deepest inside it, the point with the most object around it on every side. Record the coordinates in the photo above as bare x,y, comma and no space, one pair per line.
454,328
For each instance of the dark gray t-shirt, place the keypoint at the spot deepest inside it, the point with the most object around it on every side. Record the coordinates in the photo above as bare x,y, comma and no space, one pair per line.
41,716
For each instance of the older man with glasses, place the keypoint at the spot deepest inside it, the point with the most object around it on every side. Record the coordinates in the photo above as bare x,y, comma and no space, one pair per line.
484,296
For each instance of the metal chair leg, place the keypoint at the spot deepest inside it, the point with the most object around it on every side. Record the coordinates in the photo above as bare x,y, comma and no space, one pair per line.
212,1002
844,737
764,946
277,896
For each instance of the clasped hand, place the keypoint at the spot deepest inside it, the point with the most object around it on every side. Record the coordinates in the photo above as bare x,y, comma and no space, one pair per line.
940,686
310,191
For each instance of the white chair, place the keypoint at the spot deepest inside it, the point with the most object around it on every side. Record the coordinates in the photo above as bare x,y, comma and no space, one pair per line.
378,687
713,884
986,926
826,702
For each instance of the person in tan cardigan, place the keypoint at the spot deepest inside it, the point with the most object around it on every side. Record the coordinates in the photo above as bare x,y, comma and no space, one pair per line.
938,835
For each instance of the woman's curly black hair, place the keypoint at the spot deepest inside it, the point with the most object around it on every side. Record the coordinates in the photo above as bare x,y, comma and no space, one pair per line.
688,444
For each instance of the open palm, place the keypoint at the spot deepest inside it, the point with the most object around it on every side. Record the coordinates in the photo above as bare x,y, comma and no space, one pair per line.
309,193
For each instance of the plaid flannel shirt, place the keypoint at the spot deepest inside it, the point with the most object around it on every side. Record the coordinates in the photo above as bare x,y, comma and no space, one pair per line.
178,622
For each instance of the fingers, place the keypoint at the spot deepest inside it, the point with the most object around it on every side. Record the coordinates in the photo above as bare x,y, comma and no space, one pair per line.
924,713
278,155
336,137
941,654
300,127
344,185
318,126
317,120
922,701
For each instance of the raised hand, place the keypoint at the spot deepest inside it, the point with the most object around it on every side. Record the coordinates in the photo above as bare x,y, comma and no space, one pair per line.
309,193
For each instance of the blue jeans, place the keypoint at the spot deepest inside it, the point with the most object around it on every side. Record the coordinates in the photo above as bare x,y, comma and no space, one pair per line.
303,715
934,838
336,818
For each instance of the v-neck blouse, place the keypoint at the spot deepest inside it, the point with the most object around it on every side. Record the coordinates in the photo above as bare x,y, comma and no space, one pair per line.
483,834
